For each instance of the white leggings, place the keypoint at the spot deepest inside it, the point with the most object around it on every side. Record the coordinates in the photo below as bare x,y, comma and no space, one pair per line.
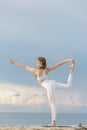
49,85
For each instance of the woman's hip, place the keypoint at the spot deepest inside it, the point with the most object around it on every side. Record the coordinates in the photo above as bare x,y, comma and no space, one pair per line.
48,83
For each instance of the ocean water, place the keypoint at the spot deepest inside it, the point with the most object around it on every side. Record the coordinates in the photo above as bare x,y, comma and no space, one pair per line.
41,119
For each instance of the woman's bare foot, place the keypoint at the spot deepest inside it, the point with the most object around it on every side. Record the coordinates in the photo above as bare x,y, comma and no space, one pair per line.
72,66
52,124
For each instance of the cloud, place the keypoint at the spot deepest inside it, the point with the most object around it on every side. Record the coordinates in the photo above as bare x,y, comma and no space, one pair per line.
18,95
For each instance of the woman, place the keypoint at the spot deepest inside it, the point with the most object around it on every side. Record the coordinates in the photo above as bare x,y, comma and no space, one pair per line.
41,73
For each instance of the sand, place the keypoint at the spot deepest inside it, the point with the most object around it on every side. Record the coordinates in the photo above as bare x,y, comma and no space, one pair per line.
44,128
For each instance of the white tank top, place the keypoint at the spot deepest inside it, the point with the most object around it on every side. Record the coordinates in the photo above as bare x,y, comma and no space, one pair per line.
42,77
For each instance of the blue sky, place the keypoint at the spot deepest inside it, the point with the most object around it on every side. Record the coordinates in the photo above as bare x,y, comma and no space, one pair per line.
54,29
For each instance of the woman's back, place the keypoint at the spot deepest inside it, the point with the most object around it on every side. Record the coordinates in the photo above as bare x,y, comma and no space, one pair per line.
41,74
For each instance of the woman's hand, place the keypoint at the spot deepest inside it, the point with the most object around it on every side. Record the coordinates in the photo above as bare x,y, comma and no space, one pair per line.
12,62
72,66
71,60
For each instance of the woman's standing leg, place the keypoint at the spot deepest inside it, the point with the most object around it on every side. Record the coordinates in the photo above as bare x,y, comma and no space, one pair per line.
50,94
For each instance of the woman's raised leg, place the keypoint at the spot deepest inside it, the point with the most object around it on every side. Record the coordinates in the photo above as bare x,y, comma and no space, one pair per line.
69,80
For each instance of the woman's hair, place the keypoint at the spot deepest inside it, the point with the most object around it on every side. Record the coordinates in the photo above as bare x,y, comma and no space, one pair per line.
43,61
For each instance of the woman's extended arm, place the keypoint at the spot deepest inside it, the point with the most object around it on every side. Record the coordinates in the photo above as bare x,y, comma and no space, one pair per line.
23,66
58,64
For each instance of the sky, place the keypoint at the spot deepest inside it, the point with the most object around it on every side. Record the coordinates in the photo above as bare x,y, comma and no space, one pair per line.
54,29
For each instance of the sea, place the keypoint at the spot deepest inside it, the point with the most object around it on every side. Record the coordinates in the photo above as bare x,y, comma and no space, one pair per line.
41,119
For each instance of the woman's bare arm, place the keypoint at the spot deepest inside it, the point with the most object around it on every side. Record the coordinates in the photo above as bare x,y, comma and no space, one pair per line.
59,64
23,66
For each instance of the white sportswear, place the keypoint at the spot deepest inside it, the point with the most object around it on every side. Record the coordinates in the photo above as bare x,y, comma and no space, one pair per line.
50,86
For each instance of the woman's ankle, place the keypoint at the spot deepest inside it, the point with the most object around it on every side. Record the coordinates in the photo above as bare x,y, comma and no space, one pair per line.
53,123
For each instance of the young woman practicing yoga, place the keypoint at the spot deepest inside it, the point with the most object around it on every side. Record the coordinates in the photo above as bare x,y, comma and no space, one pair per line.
41,73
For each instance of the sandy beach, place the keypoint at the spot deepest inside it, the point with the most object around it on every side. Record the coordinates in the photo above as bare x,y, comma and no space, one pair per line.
44,128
